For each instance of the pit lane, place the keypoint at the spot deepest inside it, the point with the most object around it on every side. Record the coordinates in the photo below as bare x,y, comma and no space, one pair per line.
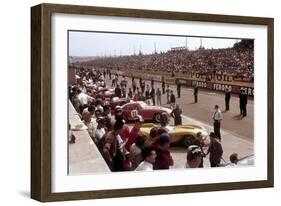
237,132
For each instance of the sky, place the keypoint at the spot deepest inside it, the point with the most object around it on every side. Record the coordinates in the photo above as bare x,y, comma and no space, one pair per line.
100,44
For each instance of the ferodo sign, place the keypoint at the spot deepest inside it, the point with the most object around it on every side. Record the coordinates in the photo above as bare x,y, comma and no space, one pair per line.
233,88
222,87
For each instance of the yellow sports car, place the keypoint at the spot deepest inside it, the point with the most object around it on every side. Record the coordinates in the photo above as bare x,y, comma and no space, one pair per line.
182,134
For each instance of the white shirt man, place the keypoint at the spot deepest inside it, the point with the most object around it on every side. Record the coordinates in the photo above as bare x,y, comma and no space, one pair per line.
84,98
144,166
217,117
149,156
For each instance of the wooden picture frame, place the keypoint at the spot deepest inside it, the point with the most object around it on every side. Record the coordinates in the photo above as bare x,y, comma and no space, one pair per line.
41,96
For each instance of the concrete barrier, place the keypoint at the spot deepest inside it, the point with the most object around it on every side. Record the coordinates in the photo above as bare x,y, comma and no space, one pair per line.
83,156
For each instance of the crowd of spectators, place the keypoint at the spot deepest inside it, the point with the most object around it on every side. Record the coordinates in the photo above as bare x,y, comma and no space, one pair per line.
237,61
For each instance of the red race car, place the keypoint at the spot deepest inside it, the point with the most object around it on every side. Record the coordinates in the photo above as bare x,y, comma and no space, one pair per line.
149,113
113,102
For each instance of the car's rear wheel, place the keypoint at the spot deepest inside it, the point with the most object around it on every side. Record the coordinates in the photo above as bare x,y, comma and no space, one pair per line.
188,140
157,117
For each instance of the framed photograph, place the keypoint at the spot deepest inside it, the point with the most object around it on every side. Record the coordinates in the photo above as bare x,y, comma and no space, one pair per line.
130,102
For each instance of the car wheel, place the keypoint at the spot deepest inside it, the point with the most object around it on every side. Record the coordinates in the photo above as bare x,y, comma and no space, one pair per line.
157,117
188,140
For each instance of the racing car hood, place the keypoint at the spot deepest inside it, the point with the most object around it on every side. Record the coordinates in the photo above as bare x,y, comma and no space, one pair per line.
158,108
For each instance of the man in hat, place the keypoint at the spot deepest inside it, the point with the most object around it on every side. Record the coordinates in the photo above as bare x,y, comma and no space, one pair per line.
215,150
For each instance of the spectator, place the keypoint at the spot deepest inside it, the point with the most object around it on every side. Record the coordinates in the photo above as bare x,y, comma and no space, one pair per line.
84,99
176,114
152,95
90,123
130,93
118,91
215,150
178,89
158,97
123,91
172,100
134,84
135,151
147,95
194,156
168,94
71,136
134,132
163,156
100,131
195,93
217,118
227,96
148,155
112,150
152,136
234,159
163,86
244,102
